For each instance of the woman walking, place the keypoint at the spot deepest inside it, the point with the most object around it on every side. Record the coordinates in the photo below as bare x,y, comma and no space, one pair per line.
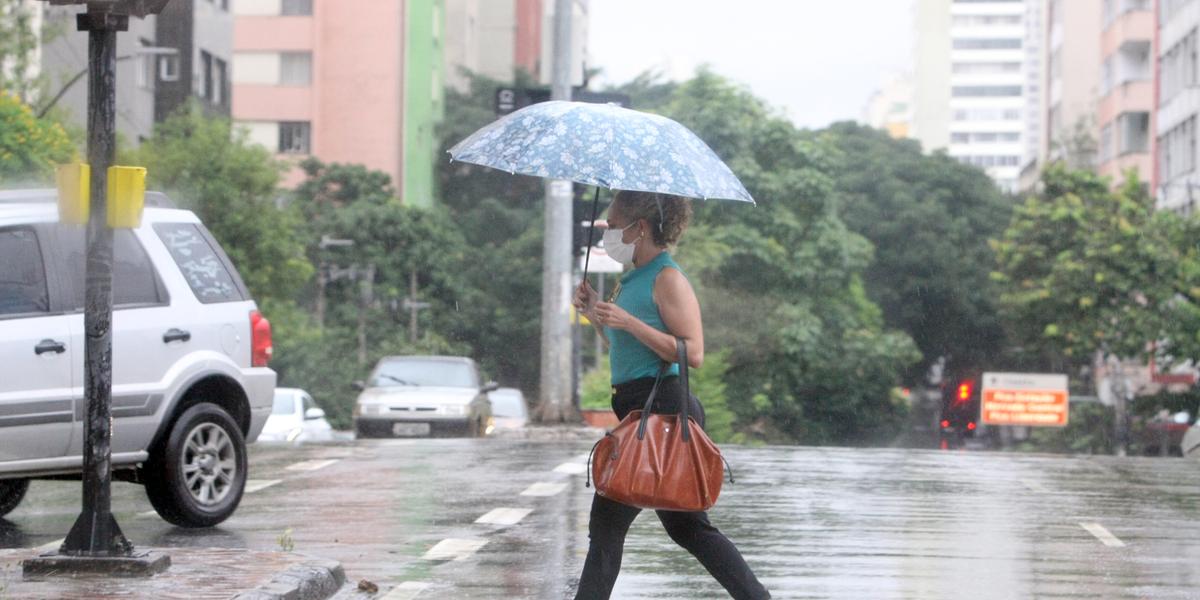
653,304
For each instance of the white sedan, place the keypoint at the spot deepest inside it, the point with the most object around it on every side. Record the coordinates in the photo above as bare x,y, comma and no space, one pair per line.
296,418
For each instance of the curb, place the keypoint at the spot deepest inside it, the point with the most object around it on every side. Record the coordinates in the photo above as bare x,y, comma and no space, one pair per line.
312,580
550,433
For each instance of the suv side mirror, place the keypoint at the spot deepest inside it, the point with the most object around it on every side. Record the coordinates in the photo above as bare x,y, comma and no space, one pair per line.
490,386
313,414
359,385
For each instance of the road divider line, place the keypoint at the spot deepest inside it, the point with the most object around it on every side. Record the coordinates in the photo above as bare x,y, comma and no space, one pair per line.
146,514
454,549
406,591
258,485
571,468
504,516
544,489
1105,536
311,465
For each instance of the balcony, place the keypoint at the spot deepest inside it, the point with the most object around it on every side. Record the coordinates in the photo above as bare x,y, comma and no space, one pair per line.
1135,25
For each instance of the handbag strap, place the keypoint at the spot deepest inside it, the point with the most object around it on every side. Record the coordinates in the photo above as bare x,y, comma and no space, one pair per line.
685,402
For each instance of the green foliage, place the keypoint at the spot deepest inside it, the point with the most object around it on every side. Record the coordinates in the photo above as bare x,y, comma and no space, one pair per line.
29,147
596,387
1088,431
781,283
930,219
18,46
230,183
1085,269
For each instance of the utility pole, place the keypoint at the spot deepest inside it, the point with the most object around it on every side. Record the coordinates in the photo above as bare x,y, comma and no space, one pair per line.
323,275
366,288
413,306
95,542
555,395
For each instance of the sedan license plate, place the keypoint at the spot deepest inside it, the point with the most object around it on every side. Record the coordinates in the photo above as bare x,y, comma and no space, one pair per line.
410,429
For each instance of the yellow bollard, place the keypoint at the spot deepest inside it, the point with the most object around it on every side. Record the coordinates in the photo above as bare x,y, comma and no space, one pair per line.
74,183
126,196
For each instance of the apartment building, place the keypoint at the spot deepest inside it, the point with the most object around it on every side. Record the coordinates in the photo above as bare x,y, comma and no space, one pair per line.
975,82
1178,106
344,81
1128,74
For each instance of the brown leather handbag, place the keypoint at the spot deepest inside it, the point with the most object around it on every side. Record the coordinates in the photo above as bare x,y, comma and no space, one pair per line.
657,461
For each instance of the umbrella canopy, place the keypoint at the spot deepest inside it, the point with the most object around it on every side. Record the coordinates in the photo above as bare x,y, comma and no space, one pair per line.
602,145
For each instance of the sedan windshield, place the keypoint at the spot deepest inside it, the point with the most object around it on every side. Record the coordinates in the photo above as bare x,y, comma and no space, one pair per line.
285,404
396,373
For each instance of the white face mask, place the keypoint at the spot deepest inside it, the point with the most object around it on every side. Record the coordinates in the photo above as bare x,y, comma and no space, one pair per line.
616,247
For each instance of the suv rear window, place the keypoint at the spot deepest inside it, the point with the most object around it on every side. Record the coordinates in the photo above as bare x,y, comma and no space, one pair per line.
22,273
206,269
135,283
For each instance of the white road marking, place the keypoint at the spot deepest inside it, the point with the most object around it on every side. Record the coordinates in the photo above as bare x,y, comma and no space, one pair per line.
406,591
311,465
1105,536
147,514
571,468
504,516
583,458
454,549
51,546
544,489
1035,486
257,485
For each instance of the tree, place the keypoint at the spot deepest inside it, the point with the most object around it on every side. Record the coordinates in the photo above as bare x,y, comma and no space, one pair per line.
231,184
781,283
930,219
29,147
18,49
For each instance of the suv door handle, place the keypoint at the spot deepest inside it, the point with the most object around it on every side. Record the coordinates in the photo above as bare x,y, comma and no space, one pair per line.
176,335
49,345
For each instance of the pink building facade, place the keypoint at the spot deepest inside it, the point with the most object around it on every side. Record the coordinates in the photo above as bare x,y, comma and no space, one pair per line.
1128,90
324,79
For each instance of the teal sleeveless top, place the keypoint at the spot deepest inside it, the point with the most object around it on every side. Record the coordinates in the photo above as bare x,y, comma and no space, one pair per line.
630,358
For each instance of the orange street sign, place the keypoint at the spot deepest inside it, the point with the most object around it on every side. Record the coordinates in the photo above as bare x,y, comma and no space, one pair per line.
1026,399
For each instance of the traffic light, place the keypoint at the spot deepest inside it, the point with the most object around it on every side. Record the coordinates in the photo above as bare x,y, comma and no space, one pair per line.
581,218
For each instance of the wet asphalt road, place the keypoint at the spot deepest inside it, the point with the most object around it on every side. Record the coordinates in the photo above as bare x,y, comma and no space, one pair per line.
813,523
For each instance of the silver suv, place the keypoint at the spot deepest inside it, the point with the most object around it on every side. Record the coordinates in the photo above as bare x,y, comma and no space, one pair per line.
191,385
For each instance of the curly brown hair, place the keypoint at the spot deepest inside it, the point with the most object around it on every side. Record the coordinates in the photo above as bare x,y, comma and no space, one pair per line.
667,215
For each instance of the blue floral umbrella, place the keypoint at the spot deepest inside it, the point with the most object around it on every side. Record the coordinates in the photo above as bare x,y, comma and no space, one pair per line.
602,145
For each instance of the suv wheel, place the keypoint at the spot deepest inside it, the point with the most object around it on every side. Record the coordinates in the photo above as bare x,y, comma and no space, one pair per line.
12,491
196,478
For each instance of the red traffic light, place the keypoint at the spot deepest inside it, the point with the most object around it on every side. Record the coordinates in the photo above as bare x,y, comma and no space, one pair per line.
945,422
971,426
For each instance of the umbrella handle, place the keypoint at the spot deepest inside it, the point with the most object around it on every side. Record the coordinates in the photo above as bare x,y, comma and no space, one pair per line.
591,232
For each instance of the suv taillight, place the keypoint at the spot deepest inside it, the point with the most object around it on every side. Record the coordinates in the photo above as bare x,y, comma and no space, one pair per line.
260,340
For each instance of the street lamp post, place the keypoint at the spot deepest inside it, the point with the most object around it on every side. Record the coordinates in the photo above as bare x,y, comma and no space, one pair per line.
96,543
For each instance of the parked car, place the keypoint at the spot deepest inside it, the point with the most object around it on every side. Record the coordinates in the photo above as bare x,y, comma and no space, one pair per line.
1190,446
509,409
190,387
423,395
295,418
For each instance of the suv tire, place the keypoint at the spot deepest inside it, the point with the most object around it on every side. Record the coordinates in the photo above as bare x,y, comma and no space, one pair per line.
196,477
12,491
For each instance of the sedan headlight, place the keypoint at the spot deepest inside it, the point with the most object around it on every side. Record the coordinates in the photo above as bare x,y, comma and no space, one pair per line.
457,410
370,409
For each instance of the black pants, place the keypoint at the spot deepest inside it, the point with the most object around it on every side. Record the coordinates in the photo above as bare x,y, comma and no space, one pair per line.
610,520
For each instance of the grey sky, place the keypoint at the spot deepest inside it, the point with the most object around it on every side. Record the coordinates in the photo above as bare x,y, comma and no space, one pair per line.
818,60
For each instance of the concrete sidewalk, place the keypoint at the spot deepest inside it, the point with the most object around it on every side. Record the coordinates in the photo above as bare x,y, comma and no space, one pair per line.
195,574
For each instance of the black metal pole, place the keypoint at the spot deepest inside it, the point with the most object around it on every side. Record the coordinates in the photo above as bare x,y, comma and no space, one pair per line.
591,231
95,532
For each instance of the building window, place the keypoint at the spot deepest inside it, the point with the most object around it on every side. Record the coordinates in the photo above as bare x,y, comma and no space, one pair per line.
1133,132
146,68
987,114
1178,67
205,80
1106,143
295,68
1178,150
975,91
295,137
168,67
220,80
985,20
987,44
296,8
985,68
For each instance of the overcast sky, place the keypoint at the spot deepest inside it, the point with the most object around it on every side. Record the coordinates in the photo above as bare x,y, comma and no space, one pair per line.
818,60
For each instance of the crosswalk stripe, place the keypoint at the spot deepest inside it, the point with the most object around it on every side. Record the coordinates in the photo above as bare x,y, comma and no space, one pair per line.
544,489
257,485
454,549
51,546
571,468
311,465
504,516
1104,535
